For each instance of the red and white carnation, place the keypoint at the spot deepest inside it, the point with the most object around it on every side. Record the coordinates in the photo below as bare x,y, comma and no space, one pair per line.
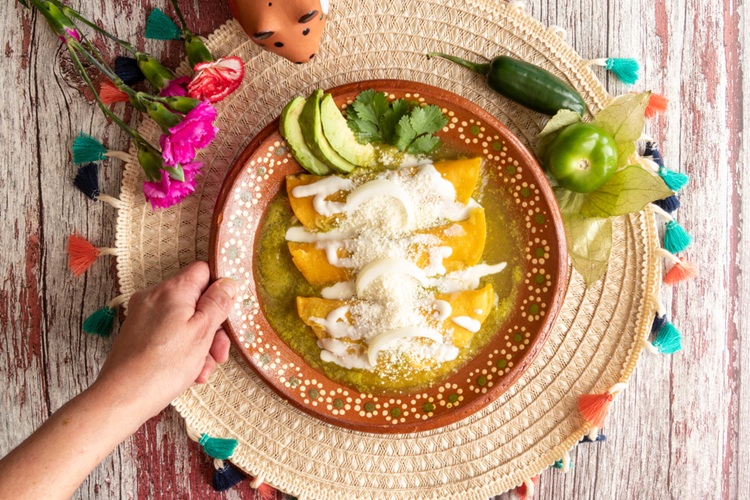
215,80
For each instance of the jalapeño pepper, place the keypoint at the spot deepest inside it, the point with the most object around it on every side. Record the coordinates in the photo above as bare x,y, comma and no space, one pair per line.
524,83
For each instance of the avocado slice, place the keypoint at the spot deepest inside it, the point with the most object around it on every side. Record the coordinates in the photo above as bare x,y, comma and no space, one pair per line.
340,136
290,130
312,130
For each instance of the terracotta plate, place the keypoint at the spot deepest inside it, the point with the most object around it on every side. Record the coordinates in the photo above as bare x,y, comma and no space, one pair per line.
256,178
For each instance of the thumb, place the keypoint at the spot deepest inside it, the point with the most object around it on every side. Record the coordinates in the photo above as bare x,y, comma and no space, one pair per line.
214,305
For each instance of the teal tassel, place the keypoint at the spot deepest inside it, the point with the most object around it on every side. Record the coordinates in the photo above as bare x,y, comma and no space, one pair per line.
220,448
674,180
559,464
160,27
624,69
100,322
87,149
669,339
676,239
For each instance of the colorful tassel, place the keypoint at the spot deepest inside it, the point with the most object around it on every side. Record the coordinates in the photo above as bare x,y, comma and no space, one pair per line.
658,324
599,438
265,491
681,271
526,490
86,149
669,339
594,407
220,448
82,254
127,70
676,239
110,94
227,476
160,27
657,104
100,321
674,180
624,69
87,180
669,204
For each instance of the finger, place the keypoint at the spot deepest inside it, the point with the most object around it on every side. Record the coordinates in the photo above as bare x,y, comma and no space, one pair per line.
208,369
214,305
220,346
195,276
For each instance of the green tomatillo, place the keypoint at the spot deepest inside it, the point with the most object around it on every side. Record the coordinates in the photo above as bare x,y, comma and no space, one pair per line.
582,157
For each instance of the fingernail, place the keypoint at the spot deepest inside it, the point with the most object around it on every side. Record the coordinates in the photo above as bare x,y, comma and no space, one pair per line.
229,286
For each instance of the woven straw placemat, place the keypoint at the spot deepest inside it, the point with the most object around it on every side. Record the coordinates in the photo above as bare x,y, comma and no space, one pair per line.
594,345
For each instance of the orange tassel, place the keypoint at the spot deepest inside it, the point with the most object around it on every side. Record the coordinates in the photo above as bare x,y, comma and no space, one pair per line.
656,104
594,407
681,271
523,493
266,492
81,254
110,94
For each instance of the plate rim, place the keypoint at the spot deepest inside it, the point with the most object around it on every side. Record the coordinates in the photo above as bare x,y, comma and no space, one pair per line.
465,410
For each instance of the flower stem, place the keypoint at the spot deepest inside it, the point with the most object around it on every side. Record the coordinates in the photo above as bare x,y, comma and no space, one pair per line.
77,15
72,46
179,14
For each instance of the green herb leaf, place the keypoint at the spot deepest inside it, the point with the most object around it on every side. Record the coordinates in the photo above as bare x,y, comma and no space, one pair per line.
390,119
628,191
427,119
624,118
370,106
400,123
589,244
554,126
423,144
365,115
405,133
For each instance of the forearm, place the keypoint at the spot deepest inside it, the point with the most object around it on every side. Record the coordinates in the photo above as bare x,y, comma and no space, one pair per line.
54,460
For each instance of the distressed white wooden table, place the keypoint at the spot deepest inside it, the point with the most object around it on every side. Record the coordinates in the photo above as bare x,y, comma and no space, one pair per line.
680,429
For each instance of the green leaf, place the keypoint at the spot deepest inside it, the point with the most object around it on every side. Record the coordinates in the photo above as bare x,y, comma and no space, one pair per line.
628,191
405,133
555,125
589,244
365,131
427,119
624,118
424,144
369,106
390,119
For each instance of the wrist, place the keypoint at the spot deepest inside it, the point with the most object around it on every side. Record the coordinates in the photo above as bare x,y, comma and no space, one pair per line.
123,404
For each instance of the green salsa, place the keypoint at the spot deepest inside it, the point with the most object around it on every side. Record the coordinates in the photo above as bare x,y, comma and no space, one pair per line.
280,283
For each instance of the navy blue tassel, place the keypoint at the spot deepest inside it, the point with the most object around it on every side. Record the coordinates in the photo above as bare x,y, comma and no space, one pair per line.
87,180
587,439
669,204
126,68
658,323
227,477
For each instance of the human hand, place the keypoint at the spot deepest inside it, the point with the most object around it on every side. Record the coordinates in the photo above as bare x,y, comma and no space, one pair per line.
171,338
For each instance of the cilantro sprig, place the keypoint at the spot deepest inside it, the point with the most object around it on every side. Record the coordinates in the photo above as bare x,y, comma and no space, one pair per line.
401,123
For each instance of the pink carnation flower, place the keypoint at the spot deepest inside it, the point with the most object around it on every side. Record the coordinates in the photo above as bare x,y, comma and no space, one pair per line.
215,80
194,132
176,87
168,192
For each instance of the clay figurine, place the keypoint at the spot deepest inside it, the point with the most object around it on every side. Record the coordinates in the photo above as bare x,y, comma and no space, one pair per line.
289,28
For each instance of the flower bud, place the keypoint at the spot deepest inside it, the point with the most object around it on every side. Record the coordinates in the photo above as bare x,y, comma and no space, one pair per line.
162,116
60,23
181,104
156,73
150,160
197,51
